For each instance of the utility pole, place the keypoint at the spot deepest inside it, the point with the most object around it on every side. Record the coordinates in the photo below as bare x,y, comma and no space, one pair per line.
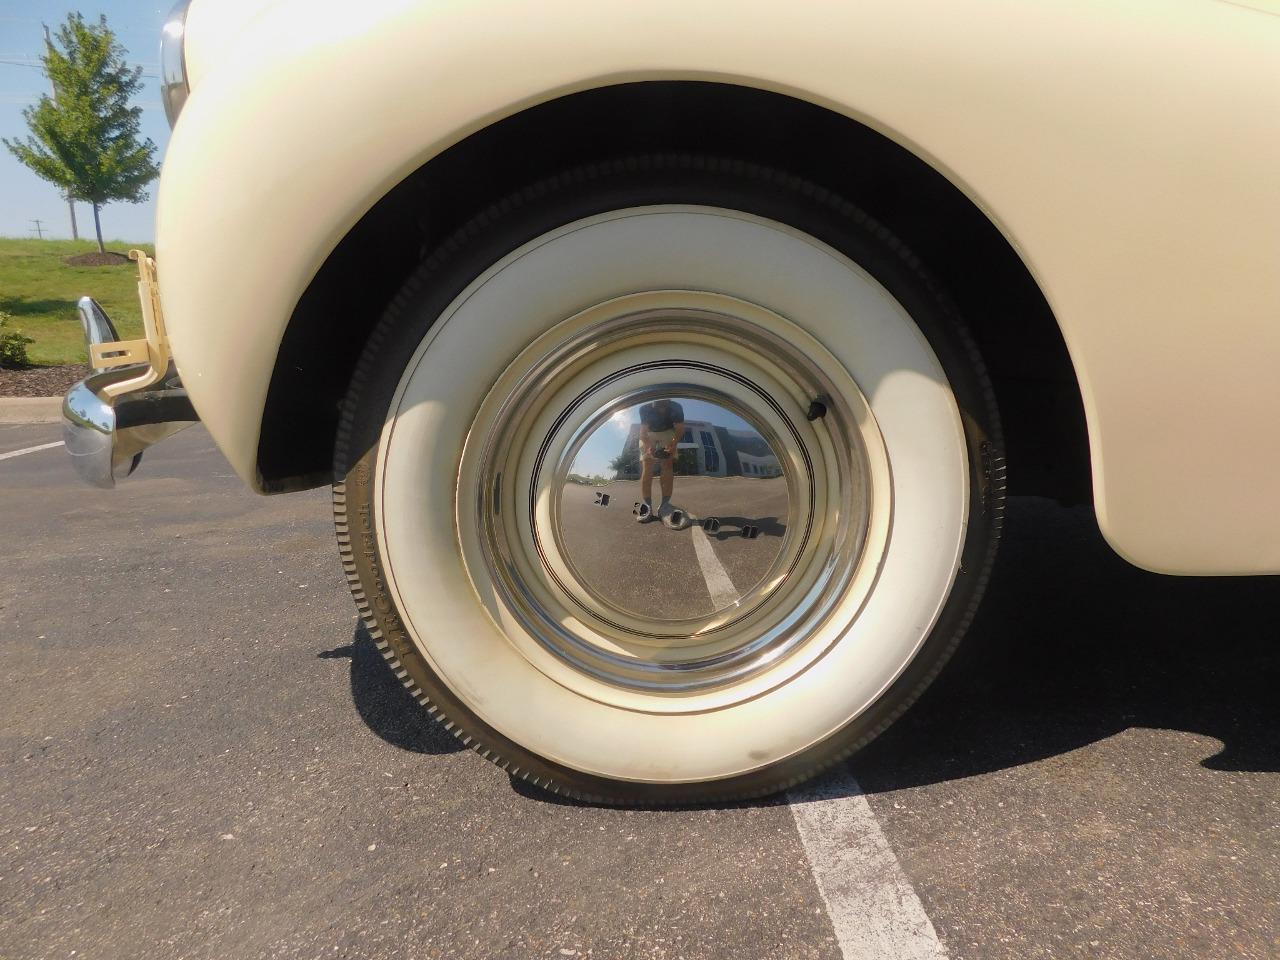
71,206
39,232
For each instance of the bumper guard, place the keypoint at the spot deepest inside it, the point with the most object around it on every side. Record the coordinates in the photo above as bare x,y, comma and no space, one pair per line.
133,399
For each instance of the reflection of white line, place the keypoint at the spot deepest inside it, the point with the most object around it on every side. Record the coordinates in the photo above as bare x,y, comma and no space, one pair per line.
873,907
723,592
22,453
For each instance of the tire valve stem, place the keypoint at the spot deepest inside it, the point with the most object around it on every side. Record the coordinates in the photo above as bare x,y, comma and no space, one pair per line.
817,409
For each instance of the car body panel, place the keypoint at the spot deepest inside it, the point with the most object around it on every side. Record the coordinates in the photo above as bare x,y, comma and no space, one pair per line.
212,28
1127,150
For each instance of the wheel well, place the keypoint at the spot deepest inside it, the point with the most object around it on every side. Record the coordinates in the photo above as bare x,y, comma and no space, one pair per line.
1035,383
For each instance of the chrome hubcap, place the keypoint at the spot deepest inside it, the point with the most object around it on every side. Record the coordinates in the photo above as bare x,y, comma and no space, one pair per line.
727,488
762,441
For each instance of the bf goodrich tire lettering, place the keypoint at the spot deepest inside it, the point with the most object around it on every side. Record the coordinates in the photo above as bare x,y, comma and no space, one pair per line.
746,295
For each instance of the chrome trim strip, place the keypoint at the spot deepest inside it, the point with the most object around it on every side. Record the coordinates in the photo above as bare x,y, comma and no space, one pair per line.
98,327
174,87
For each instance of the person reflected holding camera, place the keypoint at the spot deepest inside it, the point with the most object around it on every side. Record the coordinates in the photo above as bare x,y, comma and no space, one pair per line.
661,427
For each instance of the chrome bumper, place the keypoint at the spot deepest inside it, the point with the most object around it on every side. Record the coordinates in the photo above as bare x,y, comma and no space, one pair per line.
106,435
134,397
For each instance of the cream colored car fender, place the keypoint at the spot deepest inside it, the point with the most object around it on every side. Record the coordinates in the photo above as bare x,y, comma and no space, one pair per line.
1128,151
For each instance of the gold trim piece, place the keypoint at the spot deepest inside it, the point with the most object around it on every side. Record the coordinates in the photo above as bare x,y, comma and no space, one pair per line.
121,353
153,349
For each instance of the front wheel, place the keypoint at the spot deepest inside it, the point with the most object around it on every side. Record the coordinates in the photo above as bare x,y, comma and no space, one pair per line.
725,349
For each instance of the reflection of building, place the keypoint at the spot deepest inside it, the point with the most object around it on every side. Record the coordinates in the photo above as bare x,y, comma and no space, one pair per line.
753,456
708,450
759,466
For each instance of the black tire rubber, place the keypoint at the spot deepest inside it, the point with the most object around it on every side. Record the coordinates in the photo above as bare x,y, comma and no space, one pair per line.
594,189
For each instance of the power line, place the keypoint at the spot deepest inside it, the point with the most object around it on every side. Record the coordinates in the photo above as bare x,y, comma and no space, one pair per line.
39,225
35,60
40,67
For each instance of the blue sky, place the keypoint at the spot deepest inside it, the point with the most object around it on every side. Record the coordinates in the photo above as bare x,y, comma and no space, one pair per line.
23,195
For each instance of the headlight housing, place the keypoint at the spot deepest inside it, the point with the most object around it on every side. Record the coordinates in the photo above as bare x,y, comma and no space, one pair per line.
173,62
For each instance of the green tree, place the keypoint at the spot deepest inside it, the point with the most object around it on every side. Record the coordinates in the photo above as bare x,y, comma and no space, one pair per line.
86,143
628,461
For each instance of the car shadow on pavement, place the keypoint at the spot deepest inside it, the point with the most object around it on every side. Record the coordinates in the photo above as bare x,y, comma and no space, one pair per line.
730,527
528,790
1071,645
385,705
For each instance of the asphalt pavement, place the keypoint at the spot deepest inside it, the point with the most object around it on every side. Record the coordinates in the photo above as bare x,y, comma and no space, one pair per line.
202,756
648,569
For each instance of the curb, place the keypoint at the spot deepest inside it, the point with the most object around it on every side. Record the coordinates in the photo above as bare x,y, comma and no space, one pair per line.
30,410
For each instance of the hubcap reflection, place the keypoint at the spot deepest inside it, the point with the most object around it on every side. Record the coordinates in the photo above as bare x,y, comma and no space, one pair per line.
673,509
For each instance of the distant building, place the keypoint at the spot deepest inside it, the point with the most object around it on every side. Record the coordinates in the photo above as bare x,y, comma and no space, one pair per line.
709,451
759,466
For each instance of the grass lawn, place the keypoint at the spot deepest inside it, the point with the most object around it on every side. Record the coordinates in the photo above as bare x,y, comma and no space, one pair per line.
40,292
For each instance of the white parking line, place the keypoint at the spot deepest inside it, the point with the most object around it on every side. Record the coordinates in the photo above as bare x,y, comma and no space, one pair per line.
872,905
23,453
723,592
873,908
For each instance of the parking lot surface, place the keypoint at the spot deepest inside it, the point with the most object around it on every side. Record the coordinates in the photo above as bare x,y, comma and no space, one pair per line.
651,570
202,756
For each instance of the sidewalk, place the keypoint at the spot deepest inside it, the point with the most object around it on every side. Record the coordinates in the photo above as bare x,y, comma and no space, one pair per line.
30,409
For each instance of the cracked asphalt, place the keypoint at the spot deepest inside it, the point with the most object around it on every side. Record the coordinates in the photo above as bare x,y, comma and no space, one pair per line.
202,756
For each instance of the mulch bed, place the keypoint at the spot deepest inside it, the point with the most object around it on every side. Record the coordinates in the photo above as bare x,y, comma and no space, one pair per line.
95,259
41,381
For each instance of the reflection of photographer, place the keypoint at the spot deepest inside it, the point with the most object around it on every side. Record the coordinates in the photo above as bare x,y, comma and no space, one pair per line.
661,427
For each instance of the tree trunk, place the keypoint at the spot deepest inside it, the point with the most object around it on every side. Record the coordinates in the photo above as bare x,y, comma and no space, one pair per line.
97,226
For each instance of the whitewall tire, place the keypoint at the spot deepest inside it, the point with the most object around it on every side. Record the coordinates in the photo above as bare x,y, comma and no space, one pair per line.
829,387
